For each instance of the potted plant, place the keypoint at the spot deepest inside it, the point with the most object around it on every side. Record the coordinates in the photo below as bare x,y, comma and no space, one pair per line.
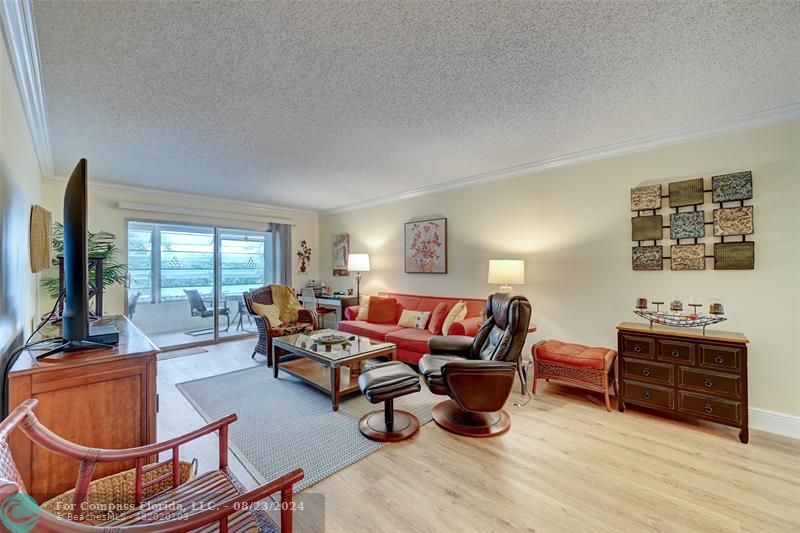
100,245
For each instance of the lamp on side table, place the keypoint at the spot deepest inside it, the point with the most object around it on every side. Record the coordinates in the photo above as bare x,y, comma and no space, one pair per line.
358,263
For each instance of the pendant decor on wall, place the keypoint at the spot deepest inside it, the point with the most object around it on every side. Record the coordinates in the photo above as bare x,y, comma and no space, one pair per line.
303,258
730,219
340,249
426,246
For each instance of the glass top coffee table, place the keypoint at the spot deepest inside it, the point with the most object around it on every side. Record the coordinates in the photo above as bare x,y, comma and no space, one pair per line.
322,358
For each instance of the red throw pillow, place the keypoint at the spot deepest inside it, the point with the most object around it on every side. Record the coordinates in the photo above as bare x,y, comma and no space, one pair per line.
382,310
437,317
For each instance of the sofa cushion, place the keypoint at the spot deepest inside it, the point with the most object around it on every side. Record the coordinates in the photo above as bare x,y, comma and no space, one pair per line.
367,329
438,317
363,308
415,340
457,313
382,310
572,354
270,312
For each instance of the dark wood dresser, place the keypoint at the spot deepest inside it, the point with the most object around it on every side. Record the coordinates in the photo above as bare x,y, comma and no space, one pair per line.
102,398
684,371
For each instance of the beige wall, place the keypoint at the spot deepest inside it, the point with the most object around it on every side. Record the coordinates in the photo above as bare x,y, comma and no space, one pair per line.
572,228
105,214
20,186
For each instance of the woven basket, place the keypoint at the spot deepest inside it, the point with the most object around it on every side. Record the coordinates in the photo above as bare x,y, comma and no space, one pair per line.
115,494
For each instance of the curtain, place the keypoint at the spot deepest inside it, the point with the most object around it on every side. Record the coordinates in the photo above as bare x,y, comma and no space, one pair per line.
282,253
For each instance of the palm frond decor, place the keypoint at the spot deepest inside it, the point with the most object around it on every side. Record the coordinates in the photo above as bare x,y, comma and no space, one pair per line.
102,245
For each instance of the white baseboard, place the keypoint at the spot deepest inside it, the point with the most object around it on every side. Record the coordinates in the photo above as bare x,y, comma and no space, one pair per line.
773,422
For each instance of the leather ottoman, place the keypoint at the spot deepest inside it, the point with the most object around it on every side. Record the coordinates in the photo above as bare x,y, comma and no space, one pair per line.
384,383
592,368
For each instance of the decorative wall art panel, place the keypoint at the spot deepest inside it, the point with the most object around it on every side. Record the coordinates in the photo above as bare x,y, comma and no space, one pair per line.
340,249
426,246
691,225
647,228
734,255
732,187
688,192
733,221
647,197
648,257
688,256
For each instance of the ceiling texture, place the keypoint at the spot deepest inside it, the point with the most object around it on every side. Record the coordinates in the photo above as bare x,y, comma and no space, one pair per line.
323,104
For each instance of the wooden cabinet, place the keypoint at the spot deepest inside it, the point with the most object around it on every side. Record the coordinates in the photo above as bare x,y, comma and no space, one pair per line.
685,371
102,398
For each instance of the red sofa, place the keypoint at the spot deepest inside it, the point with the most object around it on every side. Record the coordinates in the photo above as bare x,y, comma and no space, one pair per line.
412,343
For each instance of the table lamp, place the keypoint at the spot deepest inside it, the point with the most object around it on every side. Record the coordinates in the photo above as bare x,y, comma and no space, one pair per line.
506,272
358,263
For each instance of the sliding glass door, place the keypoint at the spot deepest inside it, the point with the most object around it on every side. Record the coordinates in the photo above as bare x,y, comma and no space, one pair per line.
244,263
186,281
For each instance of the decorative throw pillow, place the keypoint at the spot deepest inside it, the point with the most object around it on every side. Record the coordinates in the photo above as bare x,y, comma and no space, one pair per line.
382,310
363,309
456,314
270,312
407,318
437,317
421,320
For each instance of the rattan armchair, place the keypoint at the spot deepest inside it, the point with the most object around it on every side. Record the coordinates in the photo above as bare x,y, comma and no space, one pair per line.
306,321
230,506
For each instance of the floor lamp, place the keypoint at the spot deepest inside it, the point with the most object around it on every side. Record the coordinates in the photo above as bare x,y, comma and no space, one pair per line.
358,263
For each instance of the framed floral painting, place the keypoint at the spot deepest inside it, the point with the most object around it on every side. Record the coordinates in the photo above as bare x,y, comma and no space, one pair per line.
426,246
340,250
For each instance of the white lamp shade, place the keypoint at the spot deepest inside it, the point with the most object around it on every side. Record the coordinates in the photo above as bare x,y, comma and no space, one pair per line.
358,262
507,271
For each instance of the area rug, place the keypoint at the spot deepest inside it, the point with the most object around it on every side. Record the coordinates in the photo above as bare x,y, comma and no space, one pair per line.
284,424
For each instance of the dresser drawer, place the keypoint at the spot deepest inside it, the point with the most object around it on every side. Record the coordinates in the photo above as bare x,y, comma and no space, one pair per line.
647,371
676,352
710,407
638,346
712,382
720,357
646,394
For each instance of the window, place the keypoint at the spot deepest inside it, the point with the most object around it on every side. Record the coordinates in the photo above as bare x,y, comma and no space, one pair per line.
165,260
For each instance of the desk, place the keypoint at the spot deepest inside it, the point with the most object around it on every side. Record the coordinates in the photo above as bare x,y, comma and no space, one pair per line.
340,302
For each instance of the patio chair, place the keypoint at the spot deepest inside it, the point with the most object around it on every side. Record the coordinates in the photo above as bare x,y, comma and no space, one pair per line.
198,309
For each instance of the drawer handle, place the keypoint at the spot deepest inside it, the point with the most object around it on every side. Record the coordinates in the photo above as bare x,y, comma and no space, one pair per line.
707,408
676,353
708,383
647,395
719,359
637,348
646,372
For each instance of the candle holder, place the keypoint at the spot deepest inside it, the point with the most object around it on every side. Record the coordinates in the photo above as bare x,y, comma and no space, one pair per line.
641,303
658,305
715,307
676,305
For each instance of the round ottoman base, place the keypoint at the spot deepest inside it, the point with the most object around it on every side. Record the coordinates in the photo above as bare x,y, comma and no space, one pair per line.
373,426
449,416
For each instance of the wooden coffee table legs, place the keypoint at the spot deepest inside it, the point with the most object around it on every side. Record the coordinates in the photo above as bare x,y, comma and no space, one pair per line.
336,380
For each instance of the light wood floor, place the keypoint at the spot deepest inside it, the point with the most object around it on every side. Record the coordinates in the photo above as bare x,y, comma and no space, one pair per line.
566,465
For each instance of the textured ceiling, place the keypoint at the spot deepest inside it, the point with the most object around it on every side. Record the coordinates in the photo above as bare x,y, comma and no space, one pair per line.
321,104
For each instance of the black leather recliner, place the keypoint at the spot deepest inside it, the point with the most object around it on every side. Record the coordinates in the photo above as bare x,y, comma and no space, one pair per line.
478,372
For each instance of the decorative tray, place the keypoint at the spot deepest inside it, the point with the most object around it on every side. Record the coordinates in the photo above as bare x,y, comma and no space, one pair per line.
680,321
331,339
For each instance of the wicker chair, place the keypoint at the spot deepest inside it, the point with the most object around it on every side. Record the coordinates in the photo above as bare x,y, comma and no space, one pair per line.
306,321
218,495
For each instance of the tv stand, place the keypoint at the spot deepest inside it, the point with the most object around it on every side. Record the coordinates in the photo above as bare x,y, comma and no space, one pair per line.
97,397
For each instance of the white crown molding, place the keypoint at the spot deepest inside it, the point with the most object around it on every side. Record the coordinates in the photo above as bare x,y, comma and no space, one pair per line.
773,422
19,33
754,120
176,196
188,211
